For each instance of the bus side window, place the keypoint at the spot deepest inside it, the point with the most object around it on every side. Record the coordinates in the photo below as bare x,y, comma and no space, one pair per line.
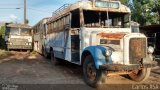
75,22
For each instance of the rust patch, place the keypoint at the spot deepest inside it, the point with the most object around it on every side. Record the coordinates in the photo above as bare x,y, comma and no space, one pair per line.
112,35
137,50
136,47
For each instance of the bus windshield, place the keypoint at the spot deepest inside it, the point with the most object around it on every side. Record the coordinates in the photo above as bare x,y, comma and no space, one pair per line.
106,19
13,31
25,32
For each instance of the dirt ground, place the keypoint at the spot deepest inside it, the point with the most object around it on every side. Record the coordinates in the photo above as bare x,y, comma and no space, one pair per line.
32,68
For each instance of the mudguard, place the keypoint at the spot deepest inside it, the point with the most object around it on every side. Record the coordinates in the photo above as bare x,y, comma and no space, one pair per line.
98,54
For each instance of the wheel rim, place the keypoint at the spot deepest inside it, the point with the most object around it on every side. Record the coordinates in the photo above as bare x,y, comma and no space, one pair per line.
91,71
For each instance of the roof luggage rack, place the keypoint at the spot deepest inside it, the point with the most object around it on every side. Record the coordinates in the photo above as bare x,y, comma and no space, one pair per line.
61,9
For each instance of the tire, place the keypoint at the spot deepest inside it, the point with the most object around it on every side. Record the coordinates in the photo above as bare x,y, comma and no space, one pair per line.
140,75
54,60
44,53
91,75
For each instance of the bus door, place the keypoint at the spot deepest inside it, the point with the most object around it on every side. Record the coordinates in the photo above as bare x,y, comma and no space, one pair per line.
75,46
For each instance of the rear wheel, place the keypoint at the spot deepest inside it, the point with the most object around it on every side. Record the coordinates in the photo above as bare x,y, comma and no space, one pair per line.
91,75
53,58
44,53
140,75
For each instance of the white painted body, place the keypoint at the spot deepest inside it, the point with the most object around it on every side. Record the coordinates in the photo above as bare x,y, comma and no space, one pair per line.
88,37
57,42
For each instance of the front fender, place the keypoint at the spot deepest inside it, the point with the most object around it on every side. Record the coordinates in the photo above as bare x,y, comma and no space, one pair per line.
98,54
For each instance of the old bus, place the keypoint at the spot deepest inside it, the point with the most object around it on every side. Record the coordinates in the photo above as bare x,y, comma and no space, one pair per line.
97,35
18,37
39,36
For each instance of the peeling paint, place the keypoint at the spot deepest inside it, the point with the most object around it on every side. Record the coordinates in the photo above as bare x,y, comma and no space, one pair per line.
112,35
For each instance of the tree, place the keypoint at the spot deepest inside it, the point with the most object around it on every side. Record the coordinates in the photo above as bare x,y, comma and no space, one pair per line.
142,12
2,31
2,37
124,1
156,8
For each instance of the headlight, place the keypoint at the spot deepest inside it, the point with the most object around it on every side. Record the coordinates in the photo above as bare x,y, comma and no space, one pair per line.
150,49
30,44
108,52
10,43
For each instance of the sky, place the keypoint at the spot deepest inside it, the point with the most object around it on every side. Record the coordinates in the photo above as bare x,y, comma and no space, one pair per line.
36,9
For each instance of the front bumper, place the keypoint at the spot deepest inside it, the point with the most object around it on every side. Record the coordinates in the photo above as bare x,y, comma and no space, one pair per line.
120,67
27,47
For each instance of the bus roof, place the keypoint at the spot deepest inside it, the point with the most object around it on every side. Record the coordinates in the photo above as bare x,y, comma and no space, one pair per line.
43,21
19,26
95,5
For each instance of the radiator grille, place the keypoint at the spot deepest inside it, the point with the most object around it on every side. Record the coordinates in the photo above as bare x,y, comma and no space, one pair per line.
137,50
18,41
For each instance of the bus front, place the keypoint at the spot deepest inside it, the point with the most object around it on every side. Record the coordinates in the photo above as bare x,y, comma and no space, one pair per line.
18,38
107,44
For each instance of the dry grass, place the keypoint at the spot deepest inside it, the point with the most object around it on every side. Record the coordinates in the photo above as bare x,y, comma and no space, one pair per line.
4,53
33,53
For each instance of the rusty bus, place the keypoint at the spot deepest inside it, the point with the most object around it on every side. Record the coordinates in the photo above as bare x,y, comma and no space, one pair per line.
18,36
97,35
39,36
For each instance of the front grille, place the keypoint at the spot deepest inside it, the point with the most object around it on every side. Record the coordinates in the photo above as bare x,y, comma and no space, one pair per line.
137,50
18,41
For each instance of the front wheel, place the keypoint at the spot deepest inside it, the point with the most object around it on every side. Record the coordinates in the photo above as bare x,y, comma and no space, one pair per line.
91,75
140,75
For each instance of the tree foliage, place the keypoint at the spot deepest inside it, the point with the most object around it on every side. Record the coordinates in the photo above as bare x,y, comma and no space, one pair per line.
2,37
145,12
156,8
124,1
2,31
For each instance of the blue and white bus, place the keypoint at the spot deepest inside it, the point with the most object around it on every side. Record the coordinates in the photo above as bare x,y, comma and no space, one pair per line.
97,35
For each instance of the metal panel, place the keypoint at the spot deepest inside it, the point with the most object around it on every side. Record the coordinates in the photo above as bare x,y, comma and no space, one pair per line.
137,50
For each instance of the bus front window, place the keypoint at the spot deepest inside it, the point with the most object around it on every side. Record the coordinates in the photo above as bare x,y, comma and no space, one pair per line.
106,19
13,31
25,32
